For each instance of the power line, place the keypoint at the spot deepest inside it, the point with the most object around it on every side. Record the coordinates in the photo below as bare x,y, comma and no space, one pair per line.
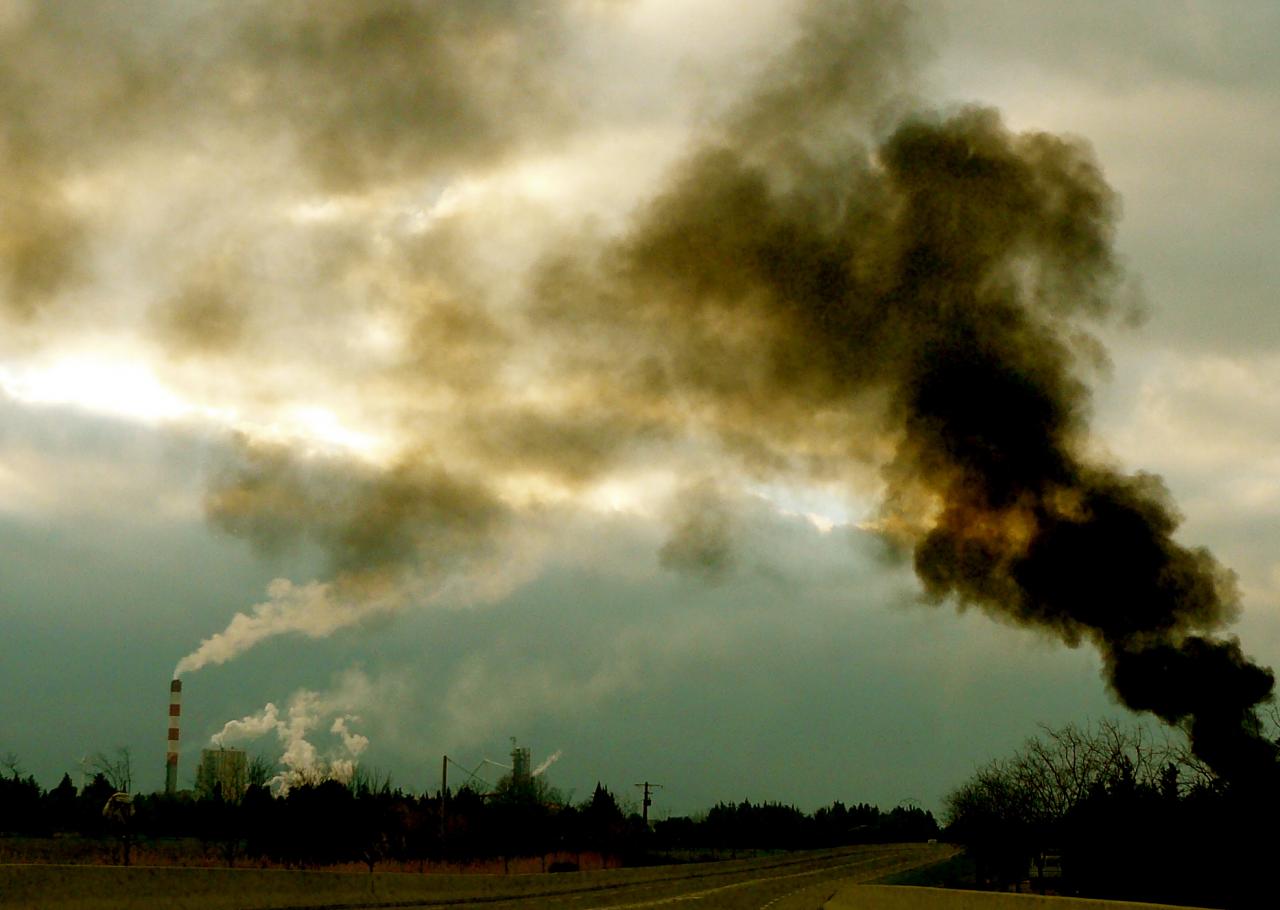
648,800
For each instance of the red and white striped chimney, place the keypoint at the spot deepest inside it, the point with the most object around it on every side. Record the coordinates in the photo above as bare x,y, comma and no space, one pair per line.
171,759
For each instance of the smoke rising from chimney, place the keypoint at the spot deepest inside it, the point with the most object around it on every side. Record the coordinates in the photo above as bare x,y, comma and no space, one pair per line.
314,610
306,712
547,763
933,280
249,727
175,732
835,276
410,534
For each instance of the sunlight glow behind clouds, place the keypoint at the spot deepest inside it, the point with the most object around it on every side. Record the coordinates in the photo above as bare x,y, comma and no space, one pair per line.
380,323
100,385
130,391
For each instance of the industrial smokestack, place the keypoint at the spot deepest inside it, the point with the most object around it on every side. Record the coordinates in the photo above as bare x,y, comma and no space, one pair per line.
171,757
521,762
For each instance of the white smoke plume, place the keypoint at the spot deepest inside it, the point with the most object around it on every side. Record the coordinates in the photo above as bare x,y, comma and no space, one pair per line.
306,712
318,609
547,762
314,610
354,743
249,727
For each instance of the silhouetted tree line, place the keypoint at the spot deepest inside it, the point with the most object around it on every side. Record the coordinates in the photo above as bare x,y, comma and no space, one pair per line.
328,822
1107,812
774,826
25,808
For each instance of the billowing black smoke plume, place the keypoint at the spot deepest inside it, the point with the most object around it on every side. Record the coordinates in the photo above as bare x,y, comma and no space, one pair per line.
826,279
937,273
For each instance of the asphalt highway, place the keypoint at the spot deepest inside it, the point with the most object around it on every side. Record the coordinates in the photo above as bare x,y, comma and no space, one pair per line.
796,881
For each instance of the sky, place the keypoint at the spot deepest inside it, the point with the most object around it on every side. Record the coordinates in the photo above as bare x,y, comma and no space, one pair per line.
414,376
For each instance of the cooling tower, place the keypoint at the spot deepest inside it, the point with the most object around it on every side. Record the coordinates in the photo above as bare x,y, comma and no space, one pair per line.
171,758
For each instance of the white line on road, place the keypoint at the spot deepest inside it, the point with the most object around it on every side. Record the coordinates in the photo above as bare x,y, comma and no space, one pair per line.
698,895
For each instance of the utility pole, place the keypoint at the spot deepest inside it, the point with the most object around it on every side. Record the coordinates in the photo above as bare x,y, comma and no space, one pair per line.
648,800
444,792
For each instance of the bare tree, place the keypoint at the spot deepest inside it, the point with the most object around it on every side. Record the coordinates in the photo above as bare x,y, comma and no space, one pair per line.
367,781
1012,809
1061,767
117,768
261,770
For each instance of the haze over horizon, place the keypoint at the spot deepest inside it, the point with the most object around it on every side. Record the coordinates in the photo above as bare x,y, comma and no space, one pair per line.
433,405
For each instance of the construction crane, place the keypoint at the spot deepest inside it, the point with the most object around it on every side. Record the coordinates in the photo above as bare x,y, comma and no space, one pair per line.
472,774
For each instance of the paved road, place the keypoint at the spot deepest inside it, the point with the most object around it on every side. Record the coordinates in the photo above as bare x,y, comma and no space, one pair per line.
794,882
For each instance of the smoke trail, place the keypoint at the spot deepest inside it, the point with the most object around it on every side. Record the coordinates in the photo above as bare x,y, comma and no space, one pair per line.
279,109
834,275
311,610
931,282
547,762
407,535
318,609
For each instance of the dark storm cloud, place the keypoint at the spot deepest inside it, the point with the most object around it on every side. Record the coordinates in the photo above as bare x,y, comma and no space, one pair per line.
833,275
945,269
573,448
377,91
454,343
369,522
40,241
359,95
40,237
701,542
209,311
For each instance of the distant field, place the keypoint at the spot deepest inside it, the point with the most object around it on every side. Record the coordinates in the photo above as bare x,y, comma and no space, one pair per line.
84,887
191,852
956,872
887,897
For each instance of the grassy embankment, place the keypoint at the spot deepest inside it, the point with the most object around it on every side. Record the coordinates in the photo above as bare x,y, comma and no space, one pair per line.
895,897
95,887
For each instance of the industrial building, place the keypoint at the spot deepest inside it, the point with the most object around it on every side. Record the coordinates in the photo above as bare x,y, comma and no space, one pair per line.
521,764
224,771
